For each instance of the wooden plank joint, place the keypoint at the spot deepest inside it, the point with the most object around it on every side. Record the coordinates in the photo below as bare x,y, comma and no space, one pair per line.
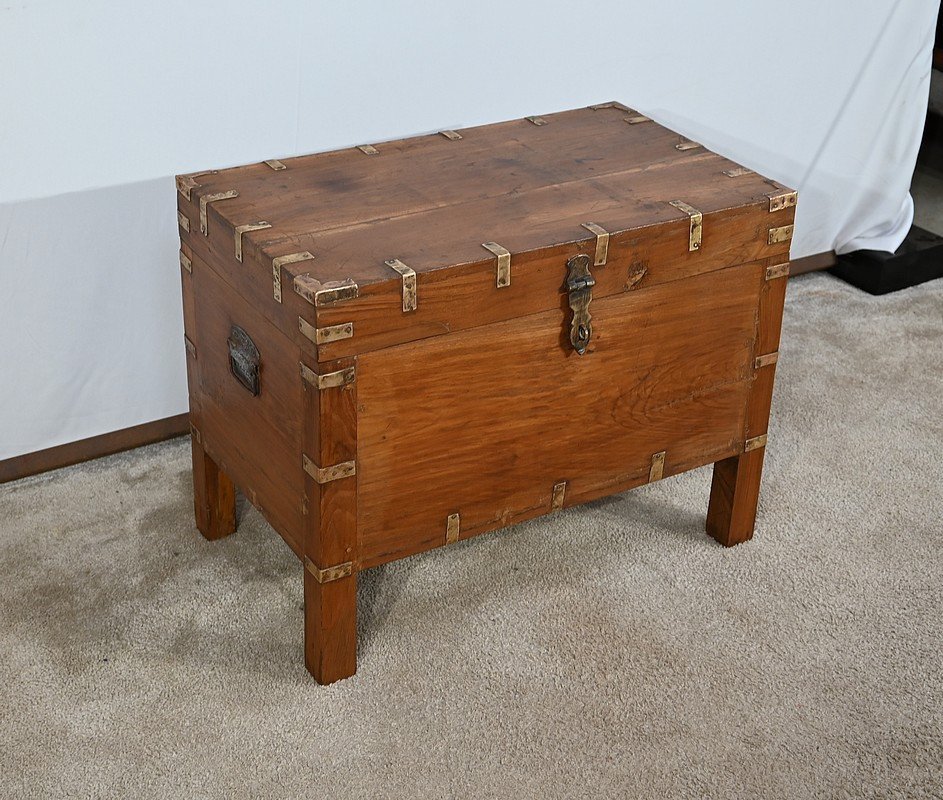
329,574
335,472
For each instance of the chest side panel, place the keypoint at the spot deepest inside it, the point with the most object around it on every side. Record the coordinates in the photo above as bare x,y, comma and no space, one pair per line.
484,423
256,439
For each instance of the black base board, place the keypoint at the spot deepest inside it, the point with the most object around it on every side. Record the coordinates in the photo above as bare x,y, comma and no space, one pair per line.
917,260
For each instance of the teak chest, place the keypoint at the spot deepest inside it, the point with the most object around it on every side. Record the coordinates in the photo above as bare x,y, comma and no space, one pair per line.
396,346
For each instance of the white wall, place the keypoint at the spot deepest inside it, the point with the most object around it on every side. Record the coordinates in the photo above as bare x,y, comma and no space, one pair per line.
103,102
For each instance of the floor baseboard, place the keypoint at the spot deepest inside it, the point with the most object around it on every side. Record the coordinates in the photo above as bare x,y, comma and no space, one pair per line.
106,444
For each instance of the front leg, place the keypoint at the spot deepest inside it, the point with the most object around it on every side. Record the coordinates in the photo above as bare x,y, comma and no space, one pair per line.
330,623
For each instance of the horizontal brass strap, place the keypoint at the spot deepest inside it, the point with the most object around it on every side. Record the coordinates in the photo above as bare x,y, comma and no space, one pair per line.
329,574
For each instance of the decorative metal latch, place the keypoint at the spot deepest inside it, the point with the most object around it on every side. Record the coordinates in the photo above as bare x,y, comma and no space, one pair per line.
244,359
579,284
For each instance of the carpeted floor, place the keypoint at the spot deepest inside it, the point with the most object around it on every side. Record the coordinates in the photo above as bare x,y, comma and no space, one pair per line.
611,651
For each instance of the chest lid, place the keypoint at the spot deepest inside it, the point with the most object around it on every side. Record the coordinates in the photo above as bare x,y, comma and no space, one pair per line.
367,247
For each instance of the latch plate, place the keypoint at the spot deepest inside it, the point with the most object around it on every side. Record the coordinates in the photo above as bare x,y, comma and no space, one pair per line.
579,285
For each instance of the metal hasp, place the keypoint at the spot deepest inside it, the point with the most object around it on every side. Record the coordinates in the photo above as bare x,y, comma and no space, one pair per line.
408,274
697,219
579,285
244,359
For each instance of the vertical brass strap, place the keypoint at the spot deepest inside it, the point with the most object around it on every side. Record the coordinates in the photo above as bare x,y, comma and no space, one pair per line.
239,230
657,470
453,526
602,242
694,236
280,261
410,299
558,496
504,263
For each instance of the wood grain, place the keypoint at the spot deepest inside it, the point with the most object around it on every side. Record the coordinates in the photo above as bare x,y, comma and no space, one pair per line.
330,534
255,440
486,421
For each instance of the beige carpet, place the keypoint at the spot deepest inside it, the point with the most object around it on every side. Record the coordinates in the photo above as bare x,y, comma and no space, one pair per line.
611,651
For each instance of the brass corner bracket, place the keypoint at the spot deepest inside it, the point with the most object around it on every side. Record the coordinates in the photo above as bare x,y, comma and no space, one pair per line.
328,380
322,475
239,230
602,242
329,574
697,220
755,443
280,261
780,200
503,256
212,198
324,294
410,299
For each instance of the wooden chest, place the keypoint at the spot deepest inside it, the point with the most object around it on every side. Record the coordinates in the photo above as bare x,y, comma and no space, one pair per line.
396,346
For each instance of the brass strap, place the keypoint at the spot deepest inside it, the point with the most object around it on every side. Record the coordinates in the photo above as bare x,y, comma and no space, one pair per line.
453,526
275,164
183,222
764,361
212,198
737,172
781,200
369,149
191,348
694,237
657,469
504,263
408,274
186,183
536,120
324,294
602,242
332,333
558,496
687,145
329,574
322,475
777,271
453,135
280,261
329,380
755,443
635,119
185,262
239,230
783,234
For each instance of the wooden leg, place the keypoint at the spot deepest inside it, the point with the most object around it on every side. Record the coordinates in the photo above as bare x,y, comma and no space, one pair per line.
735,491
214,496
330,628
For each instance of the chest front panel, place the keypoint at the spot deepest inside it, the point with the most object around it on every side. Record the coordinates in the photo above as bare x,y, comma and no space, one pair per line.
486,422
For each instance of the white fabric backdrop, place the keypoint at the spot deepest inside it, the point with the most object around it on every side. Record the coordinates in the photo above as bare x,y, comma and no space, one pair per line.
104,101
